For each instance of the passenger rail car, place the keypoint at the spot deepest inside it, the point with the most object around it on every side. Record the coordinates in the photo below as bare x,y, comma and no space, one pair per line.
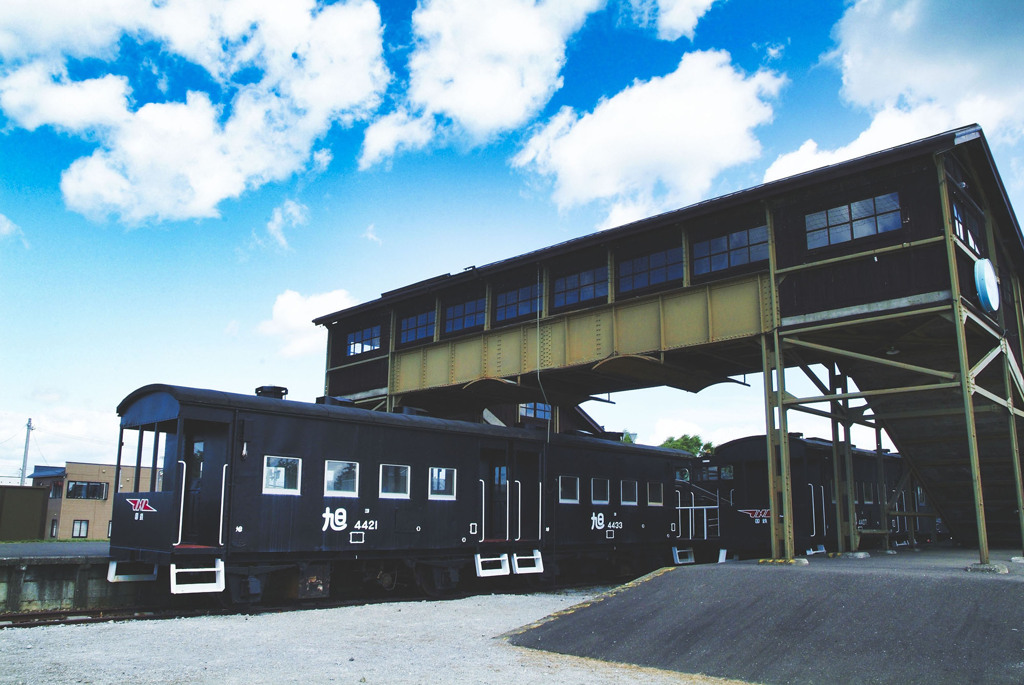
265,495
736,477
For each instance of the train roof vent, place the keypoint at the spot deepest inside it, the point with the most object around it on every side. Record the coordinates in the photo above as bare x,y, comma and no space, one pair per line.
274,391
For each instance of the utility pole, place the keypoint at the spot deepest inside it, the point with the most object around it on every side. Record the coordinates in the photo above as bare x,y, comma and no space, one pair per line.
24,459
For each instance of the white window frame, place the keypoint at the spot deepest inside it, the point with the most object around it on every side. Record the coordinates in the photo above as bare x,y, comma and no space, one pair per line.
430,483
394,495
327,480
635,495
77,528
661,494
565,500
297,490
607,490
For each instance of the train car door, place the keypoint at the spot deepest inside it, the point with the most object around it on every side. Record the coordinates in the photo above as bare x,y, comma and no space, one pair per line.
510,483
202,471
526,488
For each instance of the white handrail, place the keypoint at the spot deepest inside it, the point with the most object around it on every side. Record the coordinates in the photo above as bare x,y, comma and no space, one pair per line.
181,514
814,514
540,509
508,507
223,488
483,510
519,511
824,519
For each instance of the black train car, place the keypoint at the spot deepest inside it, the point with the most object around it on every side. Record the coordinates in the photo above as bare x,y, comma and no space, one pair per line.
736,478
262,494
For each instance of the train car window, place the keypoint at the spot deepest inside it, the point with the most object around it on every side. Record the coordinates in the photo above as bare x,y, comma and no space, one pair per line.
341,479
683,474
628,491
655,495
394,481
599,490
869,492
442,483
726,472
281,475
569,489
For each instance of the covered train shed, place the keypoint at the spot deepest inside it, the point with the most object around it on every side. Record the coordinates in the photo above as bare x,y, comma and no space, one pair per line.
898,272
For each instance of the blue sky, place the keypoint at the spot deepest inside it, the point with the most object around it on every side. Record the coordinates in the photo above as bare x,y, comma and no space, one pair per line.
184,186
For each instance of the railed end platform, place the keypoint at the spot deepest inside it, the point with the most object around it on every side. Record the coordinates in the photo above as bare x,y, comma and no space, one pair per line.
913,617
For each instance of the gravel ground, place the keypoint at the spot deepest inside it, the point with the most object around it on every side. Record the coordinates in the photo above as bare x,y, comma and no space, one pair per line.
456,641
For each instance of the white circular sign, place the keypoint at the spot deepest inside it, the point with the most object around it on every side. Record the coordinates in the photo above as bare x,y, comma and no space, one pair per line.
986,284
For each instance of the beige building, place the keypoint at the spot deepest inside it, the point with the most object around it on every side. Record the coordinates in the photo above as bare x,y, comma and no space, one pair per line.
80,499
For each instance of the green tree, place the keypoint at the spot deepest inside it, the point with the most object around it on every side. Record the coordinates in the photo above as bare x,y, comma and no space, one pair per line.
691,443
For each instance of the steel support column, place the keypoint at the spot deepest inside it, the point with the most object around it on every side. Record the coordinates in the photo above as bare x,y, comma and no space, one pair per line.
780,483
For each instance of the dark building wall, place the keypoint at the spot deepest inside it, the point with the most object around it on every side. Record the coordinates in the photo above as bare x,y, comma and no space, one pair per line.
22,512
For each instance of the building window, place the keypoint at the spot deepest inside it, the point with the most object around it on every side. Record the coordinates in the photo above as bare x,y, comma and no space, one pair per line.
513,304
56,489
394,481
80,529
628,492
535,410
110,527
341,479
418,327
650,270
360,342
569,489
599,490
464,316
581,287
53,528
281,475
967,224
655,497
726,251
80,489
859,219
442,483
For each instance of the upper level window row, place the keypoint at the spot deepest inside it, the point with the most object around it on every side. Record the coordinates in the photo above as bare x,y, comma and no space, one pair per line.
416,327
579,287
649,270
726,251
858,219
465,315
516,303
366,340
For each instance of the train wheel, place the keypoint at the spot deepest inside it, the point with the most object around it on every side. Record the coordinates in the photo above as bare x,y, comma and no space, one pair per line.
436,581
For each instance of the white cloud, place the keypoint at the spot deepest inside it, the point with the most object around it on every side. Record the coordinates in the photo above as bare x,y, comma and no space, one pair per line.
292,320
9,229
322,159
479,68
395,131
678,18
371,234
922,67
288,215
318,66
889,128
40,94
673,18
658,143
